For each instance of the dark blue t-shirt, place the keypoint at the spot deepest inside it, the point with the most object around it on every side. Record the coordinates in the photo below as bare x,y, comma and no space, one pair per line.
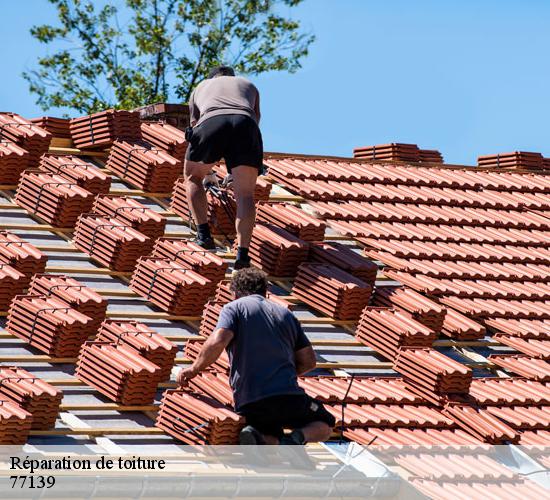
261,353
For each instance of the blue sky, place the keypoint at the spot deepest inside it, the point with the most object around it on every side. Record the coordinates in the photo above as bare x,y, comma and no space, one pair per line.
467,77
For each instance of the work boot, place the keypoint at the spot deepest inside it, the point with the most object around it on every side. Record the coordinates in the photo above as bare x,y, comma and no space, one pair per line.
250,435
242,264
206,243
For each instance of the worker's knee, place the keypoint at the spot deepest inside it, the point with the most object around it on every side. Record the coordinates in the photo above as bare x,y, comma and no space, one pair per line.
325,431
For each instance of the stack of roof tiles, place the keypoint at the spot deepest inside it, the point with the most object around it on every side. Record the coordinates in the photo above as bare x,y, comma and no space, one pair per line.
80,297
394,151
387,330
331,291
210,315
175,288
191,255
524,365
58,127
21,255
221,216
53,198
145,341
12,283
517,160
198,419
31,393
15,423
215,385
13,160
25,134
422,309
193,348
131,213
345,258
432,374
77,170
292,219
101,129
49,324
150,169
166,137
116,245
118,372
276,251
430,156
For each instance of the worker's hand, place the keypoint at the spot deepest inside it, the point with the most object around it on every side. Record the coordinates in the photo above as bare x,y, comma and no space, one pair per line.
185,375
211,179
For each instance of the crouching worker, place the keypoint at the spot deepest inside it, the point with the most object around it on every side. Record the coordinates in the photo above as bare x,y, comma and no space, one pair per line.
267,350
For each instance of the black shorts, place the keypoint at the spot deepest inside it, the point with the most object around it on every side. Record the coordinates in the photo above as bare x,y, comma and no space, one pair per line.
292,411
235,138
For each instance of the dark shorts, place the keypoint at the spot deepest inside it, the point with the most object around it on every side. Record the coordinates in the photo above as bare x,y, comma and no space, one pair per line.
272,415
235,138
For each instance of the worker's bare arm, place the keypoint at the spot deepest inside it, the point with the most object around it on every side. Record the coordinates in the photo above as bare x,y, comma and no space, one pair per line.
257,109
305,360
210,352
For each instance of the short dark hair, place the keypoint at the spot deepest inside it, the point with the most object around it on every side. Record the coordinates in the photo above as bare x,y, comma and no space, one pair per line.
249,281
221,71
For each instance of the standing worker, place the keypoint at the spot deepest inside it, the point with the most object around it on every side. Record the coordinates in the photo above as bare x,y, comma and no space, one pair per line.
225,113
267,350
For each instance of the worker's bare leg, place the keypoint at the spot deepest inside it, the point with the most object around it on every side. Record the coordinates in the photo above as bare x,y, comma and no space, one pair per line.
194,174
315,432
244,182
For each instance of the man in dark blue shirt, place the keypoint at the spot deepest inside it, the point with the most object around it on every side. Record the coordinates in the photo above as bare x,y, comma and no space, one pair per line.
267,350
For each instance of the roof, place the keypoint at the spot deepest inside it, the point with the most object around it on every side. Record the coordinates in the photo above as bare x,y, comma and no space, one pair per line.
432,282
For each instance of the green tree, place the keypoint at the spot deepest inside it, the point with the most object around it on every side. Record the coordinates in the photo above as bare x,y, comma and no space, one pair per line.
155,50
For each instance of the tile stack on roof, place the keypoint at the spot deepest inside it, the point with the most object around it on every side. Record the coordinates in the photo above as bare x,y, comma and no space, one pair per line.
131,213
276,251
221,217
532,347
197,419
31,393
422,309
53,198
395,151
166,137
210,315
387,330
292,219
332,291
215,385
25,134
15,423
430,156
189,254
174,288
118,372
522,328
58,127
13,160
431,373
194,346
21,255
145,341
526,366
115,245
343,257
77,170
360,390
481,424
49,324
80,297
101,129
520,160
12,283
460,327
512,391
147,168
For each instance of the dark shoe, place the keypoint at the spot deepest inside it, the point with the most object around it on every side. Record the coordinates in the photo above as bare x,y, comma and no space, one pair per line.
241,264
250,436
207,243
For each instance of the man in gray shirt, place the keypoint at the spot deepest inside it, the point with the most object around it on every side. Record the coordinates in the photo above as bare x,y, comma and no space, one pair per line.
267,350
225,116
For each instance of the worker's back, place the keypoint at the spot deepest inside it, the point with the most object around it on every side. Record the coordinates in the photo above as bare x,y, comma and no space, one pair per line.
224,95
261,354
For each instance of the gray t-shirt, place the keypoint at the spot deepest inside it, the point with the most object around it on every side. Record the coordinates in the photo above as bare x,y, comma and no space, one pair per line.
224,95
261,353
